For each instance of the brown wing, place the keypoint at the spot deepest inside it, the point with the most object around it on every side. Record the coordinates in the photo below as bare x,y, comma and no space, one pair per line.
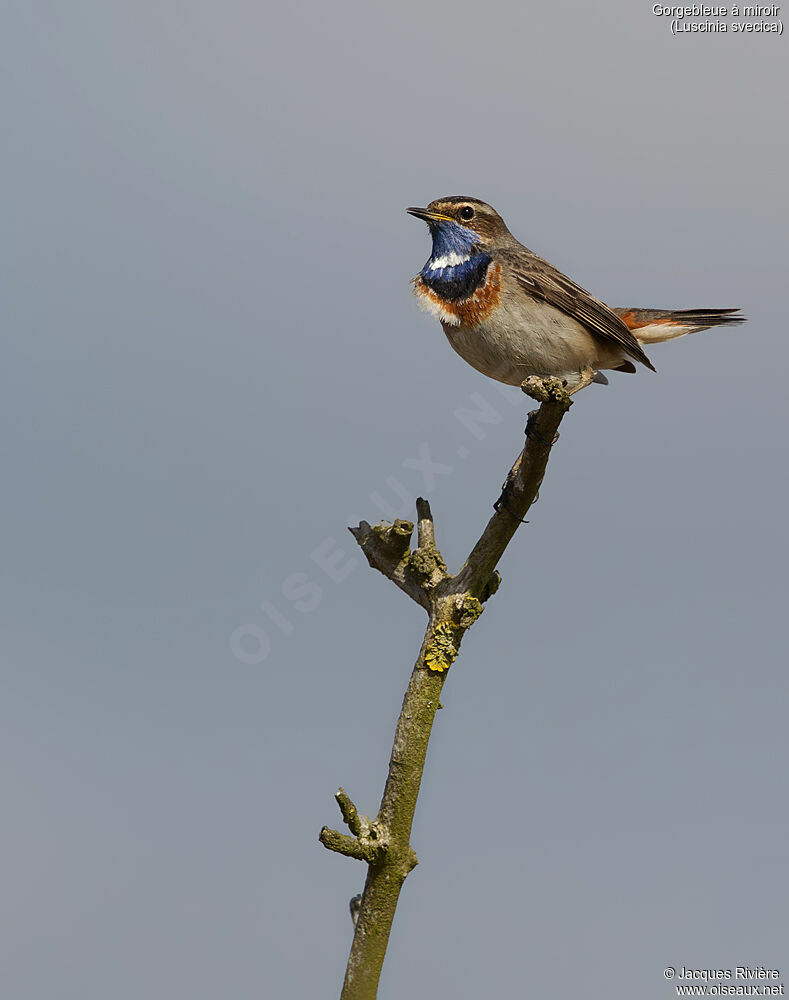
545,282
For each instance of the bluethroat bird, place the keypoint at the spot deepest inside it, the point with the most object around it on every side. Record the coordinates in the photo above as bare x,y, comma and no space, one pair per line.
511,314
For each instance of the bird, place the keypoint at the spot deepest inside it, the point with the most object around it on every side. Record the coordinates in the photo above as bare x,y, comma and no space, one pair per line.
511,314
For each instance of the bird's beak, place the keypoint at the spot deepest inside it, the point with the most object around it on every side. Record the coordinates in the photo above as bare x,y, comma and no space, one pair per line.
428,216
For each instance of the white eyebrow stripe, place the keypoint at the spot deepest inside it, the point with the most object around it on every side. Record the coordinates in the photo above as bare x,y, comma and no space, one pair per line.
448,260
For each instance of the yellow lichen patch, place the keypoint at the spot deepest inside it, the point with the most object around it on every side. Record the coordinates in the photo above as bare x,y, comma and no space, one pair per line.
443,647
445,641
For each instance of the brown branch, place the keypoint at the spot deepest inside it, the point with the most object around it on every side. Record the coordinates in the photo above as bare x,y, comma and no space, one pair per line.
351,847
453,604
520,490
386,547
425,529
350,813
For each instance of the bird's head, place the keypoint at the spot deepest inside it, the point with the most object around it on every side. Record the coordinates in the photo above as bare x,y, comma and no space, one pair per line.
461,226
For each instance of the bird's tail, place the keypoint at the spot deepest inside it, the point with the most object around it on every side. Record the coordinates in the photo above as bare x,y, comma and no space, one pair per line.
651,326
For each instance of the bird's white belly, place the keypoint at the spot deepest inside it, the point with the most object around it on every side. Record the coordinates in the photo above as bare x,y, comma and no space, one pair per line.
534,339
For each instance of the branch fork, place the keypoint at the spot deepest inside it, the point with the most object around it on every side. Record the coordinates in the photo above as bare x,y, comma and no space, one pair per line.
387,548
369,840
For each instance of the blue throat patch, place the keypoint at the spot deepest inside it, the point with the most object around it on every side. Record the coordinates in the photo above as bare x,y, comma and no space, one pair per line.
457,281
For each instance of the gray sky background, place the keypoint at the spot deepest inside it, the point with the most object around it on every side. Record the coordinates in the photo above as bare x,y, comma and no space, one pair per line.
212,363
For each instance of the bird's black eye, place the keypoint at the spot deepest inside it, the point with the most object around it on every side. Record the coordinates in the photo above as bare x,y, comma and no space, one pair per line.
466,213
